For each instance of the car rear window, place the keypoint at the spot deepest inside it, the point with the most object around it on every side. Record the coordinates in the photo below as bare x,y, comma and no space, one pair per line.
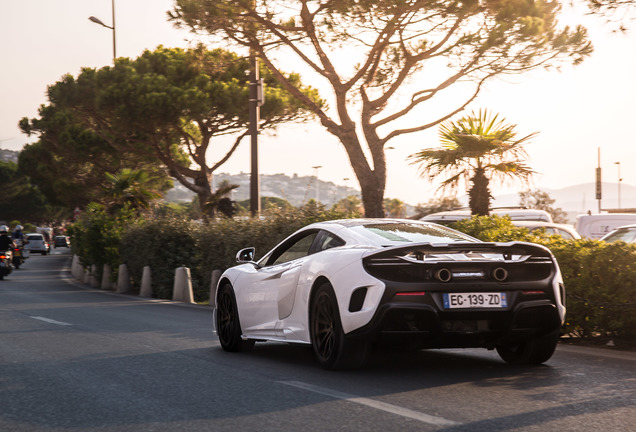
35,237
411,233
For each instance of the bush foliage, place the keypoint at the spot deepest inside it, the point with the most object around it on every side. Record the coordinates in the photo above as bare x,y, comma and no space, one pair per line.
600,278
167,243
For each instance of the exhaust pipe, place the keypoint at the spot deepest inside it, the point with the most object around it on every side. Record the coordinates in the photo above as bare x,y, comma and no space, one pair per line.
500,274
444,275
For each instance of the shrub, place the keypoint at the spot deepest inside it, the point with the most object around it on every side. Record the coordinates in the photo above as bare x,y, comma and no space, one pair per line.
493,229
97,235
167,243
599,277
164,245
600,280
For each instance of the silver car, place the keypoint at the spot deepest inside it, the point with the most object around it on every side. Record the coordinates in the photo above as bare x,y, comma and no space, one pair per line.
625,233
37,243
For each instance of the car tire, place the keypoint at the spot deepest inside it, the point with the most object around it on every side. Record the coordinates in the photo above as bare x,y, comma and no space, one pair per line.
228,324
332,349
534,351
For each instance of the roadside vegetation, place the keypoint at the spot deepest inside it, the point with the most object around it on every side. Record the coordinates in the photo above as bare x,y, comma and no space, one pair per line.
600,278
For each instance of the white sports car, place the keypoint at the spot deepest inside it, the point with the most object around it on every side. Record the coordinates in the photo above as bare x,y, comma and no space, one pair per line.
345,285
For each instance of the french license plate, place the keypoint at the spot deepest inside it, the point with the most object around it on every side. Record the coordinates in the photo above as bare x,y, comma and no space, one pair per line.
475,300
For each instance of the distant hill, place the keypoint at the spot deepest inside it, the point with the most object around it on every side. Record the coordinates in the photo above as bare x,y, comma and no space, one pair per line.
574,200
295,189
9,155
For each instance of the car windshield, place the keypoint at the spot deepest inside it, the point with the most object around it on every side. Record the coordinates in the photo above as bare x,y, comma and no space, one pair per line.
396,233
34,237
622,234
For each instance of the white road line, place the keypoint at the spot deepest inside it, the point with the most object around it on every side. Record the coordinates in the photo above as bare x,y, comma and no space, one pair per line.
393,409
50,321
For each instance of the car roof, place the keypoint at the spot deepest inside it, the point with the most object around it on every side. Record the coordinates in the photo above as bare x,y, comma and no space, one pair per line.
539,224
627,226
515,213
347,229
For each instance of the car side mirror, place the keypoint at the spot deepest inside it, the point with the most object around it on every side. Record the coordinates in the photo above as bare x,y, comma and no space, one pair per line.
246,256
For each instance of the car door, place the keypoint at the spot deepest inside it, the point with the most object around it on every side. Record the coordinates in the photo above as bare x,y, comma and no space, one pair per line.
268,293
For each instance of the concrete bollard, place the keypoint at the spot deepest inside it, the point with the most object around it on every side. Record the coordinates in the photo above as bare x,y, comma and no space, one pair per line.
94,279
123,280
80,272
106,277
146,283
216,275
182,288
74,266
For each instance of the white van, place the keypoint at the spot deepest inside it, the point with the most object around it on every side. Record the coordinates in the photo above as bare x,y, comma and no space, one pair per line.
514,213
596,226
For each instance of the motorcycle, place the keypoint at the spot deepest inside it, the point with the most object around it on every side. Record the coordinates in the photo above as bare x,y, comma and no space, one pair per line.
18,256
5,263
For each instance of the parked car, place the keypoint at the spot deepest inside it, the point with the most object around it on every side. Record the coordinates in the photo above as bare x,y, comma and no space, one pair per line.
37,243
342,286
625,233
595,226
61,241
564,230
513,213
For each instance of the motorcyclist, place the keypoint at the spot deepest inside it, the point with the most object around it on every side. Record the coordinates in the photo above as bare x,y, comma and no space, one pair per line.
18,235
6,242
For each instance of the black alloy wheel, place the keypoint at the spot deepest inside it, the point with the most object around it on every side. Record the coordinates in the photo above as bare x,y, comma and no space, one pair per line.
228,325
327,336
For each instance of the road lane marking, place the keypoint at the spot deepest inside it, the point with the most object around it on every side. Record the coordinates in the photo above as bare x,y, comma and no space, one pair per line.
383,406
50,321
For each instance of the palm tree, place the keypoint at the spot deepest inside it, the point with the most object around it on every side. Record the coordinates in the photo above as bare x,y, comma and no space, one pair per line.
130,187
476,148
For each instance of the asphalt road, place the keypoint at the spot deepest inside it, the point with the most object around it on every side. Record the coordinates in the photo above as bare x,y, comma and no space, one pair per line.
73,358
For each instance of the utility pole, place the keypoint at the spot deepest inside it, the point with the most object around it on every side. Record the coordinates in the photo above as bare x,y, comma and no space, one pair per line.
254,113
256,95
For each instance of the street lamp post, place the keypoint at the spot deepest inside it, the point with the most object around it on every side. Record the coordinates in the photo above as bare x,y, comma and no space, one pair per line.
101,23
619,183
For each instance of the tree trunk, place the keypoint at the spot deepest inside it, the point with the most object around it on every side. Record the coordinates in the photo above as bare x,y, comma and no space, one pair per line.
372,195
204,192
372,181
479,194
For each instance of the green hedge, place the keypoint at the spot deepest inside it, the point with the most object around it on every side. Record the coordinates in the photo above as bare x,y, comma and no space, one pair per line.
599,278
97,236
165,244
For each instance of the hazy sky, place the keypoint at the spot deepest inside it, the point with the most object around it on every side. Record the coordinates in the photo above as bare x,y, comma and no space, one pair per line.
575,111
